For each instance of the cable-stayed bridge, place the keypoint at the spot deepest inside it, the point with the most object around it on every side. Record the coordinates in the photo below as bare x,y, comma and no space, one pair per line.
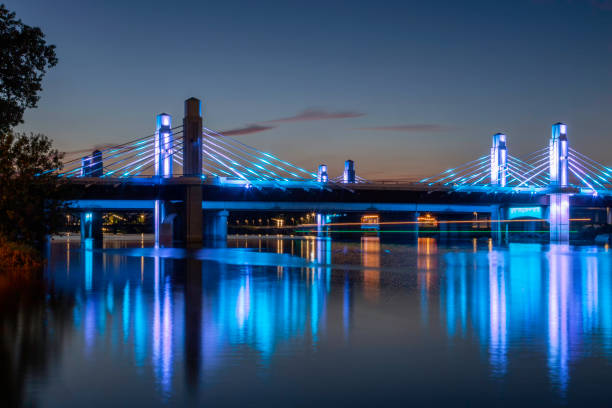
192,176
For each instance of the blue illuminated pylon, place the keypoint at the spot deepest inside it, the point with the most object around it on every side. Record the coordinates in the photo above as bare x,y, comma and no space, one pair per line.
558,150
91,166
499,161
163,145
163,164
322,176
349,172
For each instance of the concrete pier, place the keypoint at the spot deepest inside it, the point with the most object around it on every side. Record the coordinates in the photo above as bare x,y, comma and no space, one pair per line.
215,225
91,228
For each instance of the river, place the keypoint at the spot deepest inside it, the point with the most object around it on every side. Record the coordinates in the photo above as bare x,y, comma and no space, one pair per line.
306,321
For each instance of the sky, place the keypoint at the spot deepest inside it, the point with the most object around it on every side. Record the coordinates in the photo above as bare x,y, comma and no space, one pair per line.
403,88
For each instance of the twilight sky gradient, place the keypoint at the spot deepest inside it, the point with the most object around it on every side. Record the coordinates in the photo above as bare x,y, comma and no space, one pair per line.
404,88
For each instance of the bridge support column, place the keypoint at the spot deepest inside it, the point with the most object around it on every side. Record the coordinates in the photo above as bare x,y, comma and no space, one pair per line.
91,229
443,229
608,215
452,229
322,227
193,216
559,217
163,230
215,225
416,225
496,224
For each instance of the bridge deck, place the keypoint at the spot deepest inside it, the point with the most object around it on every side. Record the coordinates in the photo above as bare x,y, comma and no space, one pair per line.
117,194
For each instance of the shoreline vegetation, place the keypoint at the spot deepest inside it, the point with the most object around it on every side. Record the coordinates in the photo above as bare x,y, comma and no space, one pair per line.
30,196
20,265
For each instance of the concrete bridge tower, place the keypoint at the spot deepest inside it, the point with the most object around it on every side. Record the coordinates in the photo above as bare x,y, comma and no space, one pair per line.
192,167
192,138
499,160
559,201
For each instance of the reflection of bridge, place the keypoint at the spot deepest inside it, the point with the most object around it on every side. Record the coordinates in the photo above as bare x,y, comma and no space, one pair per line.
191,176
493,297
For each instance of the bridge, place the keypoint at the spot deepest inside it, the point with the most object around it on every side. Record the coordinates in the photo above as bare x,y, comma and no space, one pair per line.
191,177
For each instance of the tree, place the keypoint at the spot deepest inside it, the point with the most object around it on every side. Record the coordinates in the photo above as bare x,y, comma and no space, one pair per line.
24,60
31,197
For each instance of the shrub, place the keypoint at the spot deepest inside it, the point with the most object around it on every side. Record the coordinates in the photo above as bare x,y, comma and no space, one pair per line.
19,263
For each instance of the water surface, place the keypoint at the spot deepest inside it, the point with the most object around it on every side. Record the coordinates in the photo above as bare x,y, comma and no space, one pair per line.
284,321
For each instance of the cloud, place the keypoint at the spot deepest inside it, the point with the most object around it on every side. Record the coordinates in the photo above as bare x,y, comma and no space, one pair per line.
425,127
316,114
306,115
246,130
88,151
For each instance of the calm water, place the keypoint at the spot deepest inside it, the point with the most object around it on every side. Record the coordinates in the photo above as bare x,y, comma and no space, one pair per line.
313,322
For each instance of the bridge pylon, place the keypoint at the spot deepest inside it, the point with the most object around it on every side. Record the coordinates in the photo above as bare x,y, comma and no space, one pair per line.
322,176
499,160
92,165
163,168
349,172
559,155
192,138
163,145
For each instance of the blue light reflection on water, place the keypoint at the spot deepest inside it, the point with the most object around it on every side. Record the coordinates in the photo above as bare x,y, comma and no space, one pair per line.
200,314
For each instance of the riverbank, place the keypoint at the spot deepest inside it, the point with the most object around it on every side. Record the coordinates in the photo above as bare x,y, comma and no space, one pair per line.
19,264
